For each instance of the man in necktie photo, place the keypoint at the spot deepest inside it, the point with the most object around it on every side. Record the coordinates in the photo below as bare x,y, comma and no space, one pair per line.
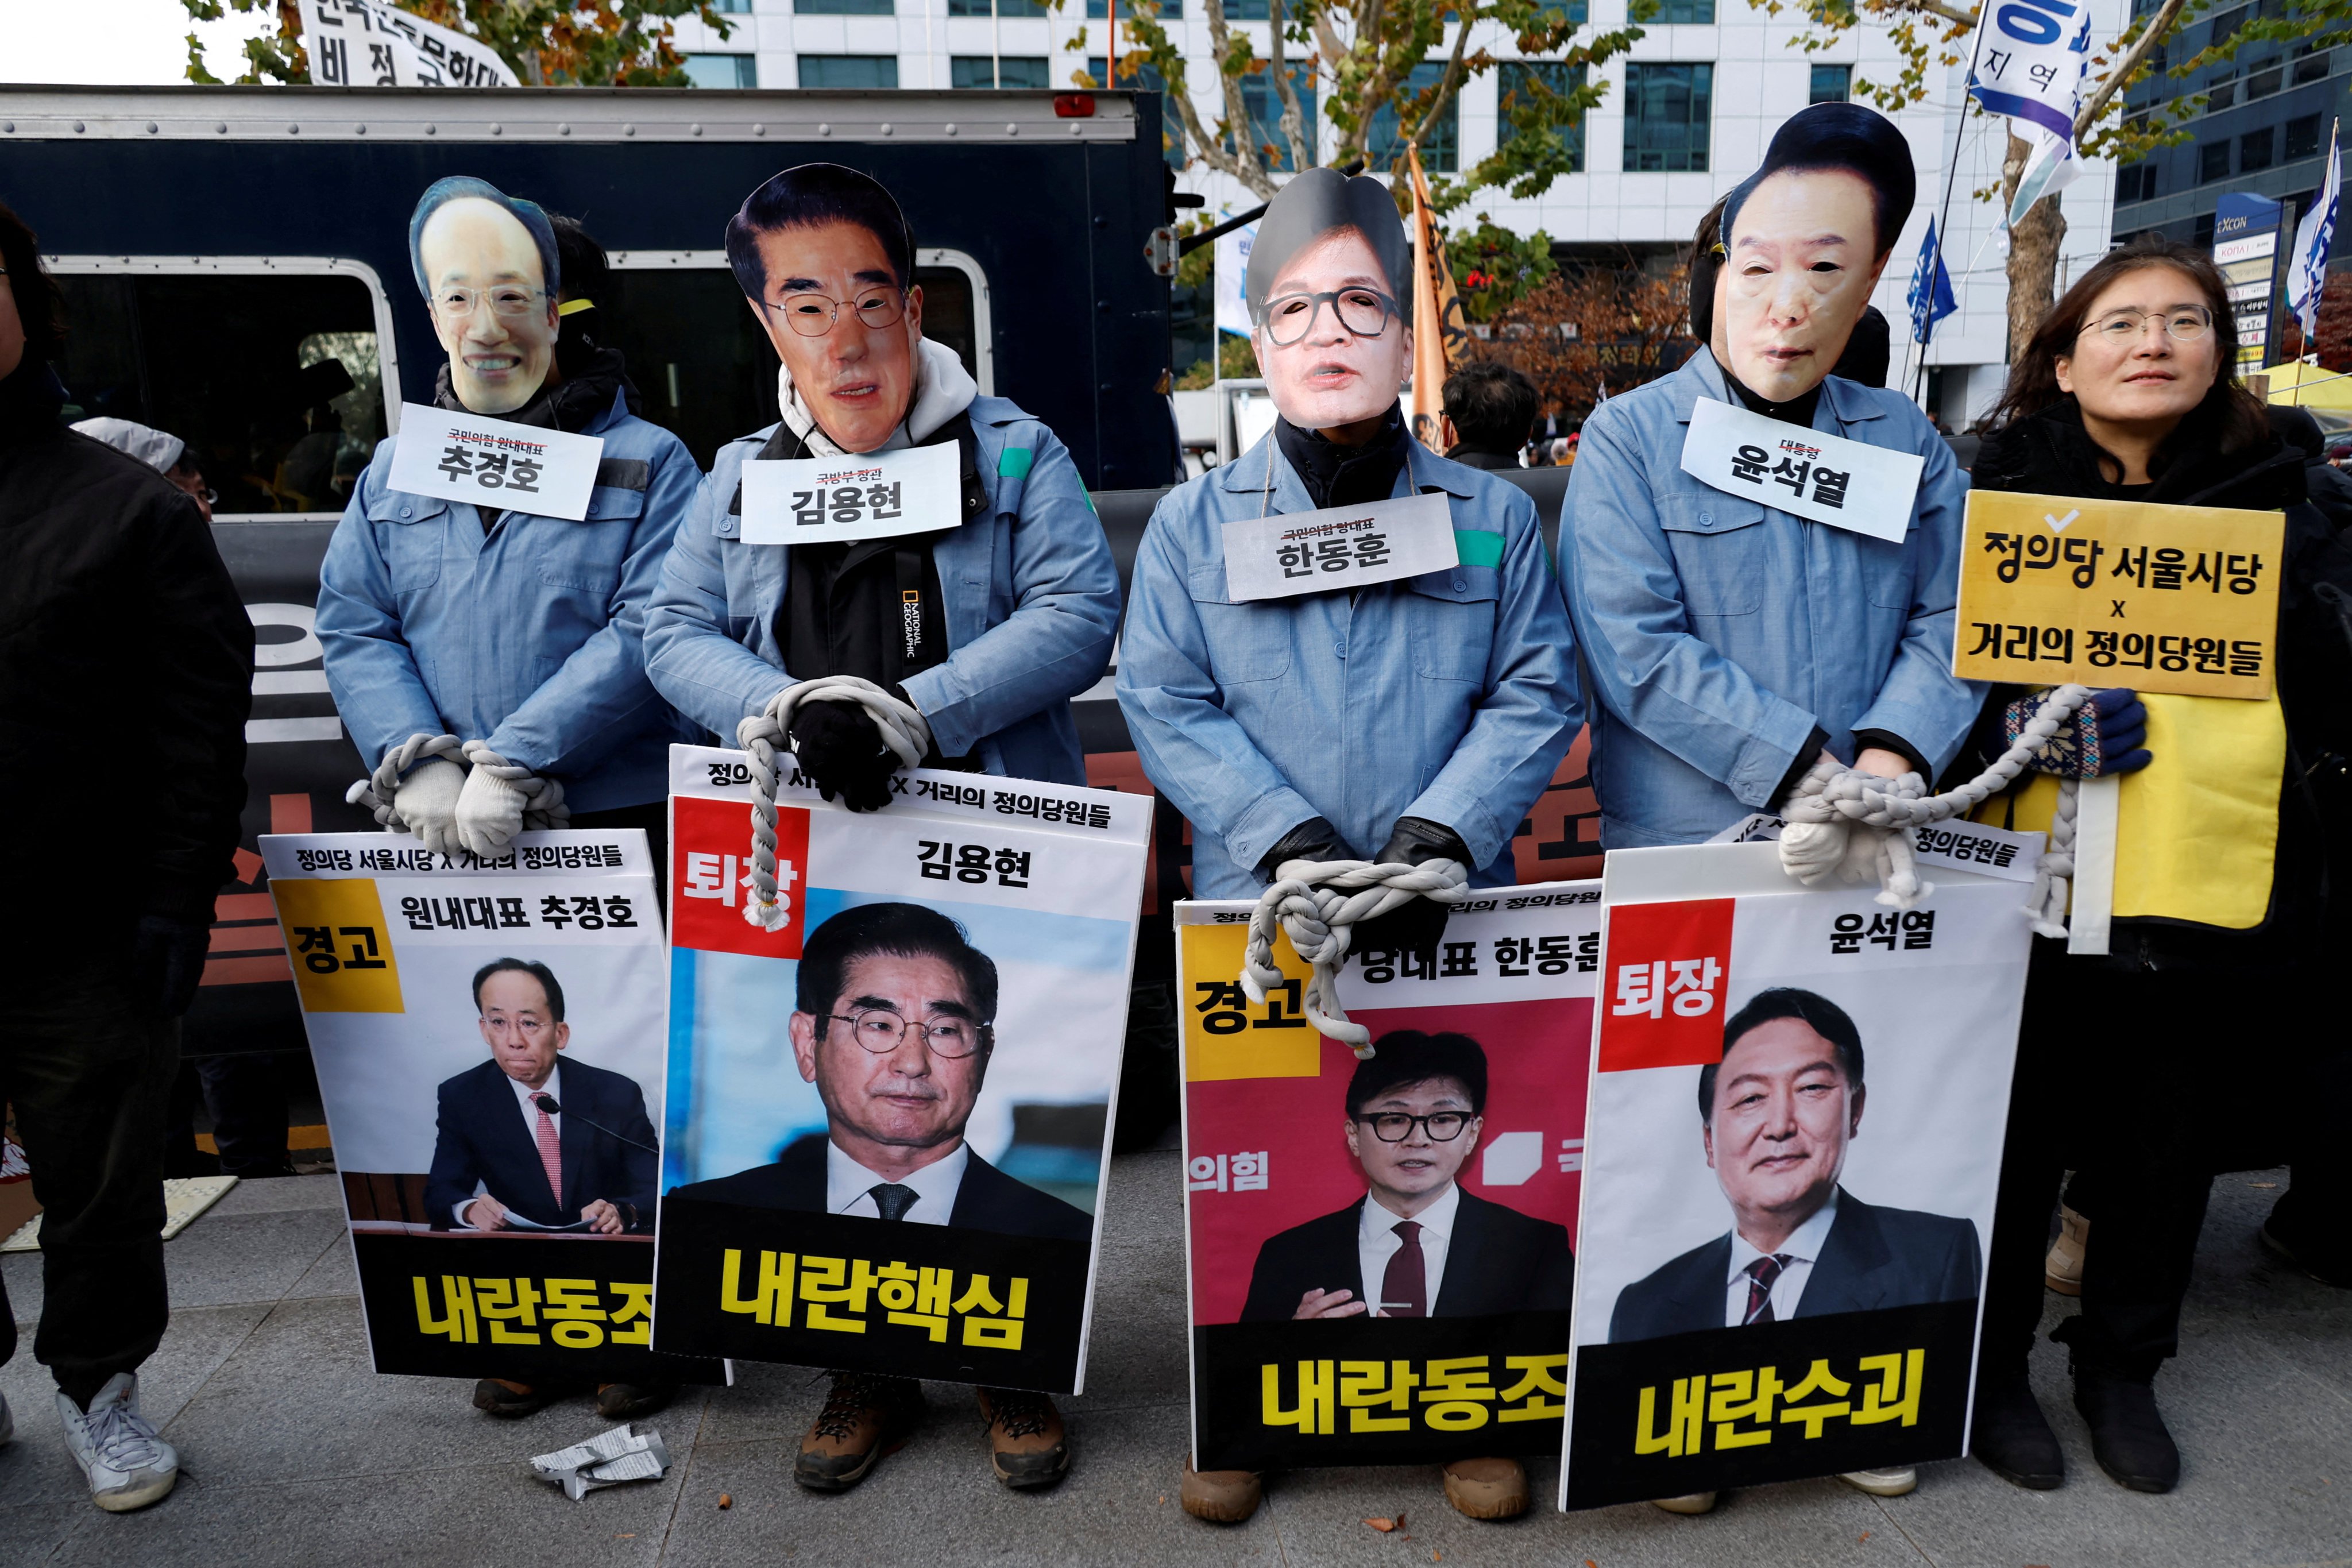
1777,1116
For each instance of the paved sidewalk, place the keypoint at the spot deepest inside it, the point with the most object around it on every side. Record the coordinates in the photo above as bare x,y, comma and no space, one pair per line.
297,1454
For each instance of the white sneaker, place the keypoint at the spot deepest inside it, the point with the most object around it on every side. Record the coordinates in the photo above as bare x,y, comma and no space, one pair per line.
1883,1483
127,1465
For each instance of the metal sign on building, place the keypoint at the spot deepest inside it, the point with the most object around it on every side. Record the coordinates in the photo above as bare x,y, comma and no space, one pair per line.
2246,248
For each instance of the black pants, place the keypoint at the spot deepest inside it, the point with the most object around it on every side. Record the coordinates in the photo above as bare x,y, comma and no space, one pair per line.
2114,1076
90,1079
246,1093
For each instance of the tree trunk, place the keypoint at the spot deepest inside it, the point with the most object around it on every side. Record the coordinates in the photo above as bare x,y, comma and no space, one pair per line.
2033,247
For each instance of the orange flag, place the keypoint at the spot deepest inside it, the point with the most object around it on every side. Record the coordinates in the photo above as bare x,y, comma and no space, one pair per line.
1437,320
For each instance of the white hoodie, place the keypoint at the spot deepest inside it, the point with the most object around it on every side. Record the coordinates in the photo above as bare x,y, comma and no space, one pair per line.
943,389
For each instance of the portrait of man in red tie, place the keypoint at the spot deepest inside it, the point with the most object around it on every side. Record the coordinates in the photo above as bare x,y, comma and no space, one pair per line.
527,1143
1777,1114
1415,1245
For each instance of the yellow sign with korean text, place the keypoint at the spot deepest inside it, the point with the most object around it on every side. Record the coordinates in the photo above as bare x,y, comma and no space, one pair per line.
1225,1036
340,948
2181,599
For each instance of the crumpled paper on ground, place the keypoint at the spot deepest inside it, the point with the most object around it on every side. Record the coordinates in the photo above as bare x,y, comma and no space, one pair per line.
623,1453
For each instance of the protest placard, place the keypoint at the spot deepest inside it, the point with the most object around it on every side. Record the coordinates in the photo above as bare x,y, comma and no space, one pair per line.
488,1042
1381,1252
889,1117
1797,1108
2181,599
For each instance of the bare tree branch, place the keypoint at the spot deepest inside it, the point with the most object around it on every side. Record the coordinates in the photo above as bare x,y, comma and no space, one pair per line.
1294,117
2120,78
1446,84
1244,163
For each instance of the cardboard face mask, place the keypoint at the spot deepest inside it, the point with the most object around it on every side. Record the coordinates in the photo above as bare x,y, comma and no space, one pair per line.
487,279
1805,239
1326,289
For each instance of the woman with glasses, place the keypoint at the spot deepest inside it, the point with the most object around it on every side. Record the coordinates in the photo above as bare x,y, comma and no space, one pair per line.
1301,681
2128,391
987,621
493,622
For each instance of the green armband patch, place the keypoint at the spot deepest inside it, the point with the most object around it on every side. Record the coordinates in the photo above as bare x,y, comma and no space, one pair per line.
1014,463
1477,547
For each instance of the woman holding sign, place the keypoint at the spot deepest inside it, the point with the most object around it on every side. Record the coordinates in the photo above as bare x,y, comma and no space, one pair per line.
461,594
1761,557
2126,392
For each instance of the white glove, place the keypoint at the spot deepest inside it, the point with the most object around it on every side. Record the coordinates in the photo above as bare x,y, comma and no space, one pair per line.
490,814
427,799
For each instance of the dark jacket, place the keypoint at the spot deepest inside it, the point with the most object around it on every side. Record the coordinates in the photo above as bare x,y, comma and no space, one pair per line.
1498,1260
2050,453
1874,1257
1471,457
988,1199
484,1138
126,671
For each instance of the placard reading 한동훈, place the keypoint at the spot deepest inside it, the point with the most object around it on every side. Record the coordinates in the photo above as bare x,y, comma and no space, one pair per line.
1806,473
450,456
828,501
1278,556
2179,599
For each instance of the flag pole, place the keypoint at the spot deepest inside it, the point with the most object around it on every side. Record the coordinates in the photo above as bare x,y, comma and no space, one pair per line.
1951,174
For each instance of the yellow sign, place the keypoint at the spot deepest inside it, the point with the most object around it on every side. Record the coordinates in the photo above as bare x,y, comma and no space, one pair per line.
1225,1036
339,943
2182,599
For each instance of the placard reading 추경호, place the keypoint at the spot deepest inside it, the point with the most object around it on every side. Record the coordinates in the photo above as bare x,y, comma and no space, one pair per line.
825,501
890,1123
451,456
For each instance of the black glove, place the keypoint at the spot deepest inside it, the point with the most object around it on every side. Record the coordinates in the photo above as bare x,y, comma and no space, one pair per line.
1417,926
1313,839
842,752
167,959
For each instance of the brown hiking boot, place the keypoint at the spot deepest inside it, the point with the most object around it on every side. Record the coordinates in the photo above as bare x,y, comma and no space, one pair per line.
1487,1489
627,1401
499,1396
1026,1444
1220,1497
864,1418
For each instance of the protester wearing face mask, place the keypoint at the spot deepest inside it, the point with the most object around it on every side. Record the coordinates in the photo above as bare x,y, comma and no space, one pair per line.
497,624
2229,826
987,623
1402,718
1733,644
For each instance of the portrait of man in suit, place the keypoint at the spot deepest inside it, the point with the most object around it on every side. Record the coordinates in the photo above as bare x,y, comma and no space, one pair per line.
1776,1114
1415,1245
894,1022
528,1142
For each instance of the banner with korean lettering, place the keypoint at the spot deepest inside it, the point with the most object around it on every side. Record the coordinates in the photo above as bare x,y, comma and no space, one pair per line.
488,1042
2179,599
889,1119
1798,1105
1381,1252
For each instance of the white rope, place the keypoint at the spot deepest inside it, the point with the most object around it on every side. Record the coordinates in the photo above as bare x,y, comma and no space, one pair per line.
1315,903
903,732
1857,825
542,797
375,792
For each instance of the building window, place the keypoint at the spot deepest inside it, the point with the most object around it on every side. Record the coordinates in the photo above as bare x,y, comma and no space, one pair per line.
1171,129
722,70
1263,107
2227,24
1698,12
1440,144
2255,148
1165,10
2263,79
1247,10
732,7
1666,117
850,70
2136,183
2302,137
1016,70
1536,79
1005,9
2212,162
2310,65
1832,84
2222,93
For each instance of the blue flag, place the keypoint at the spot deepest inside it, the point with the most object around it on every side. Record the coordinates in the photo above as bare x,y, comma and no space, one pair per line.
1931,288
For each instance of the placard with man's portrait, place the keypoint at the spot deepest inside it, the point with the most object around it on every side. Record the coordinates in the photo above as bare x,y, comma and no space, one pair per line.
1797,1106
889,1128
488,1043
1383,1250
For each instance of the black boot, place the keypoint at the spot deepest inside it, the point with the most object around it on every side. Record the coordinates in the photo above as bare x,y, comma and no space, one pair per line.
2012,1438
2127,1432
